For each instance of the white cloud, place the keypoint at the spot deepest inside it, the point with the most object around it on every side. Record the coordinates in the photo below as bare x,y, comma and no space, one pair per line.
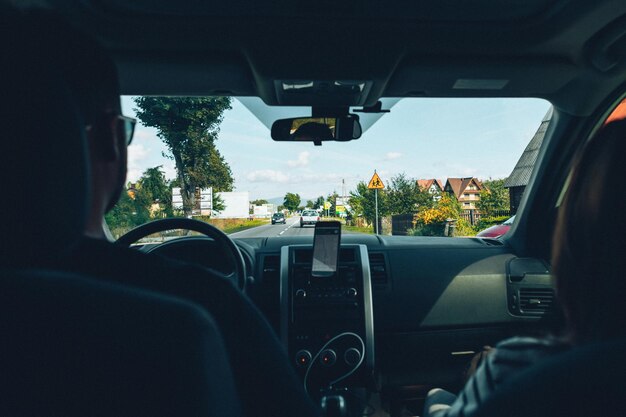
392,155
137,153
302,161
267,175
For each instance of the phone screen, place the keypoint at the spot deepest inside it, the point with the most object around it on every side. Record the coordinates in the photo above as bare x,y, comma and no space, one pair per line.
326,248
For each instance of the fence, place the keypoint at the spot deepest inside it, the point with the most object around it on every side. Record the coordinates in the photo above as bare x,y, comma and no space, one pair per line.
400,223
473,216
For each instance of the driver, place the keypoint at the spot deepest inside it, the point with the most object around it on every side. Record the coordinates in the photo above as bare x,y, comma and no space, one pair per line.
266,383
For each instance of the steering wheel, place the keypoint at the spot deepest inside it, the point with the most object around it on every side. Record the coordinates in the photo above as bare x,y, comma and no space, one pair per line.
238,275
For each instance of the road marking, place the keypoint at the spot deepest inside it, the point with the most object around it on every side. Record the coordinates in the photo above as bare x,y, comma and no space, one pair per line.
288,227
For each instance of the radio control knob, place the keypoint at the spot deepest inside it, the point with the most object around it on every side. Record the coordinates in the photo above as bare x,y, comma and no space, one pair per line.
328,357
300,294
352,292
303,358
352,356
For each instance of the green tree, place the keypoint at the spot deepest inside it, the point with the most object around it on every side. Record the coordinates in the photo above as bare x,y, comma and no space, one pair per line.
319,202
449,206
291,201
156,187
218,202
132,210
259,202
493,198
310,204
189,127
363,203
406,197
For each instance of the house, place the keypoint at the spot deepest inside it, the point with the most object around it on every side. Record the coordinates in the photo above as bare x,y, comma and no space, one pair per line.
518,180
465,190
433,186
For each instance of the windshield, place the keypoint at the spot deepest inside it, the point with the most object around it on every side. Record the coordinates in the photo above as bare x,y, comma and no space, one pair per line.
429,167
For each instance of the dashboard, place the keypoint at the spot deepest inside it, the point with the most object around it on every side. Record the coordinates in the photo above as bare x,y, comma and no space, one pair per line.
422,306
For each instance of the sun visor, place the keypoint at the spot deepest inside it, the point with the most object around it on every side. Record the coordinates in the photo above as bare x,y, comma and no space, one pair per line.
480,78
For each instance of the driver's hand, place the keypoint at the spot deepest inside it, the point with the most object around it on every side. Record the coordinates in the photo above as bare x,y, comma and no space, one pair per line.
476,361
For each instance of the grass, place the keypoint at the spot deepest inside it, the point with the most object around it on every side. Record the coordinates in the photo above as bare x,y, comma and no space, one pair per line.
236,225
368,229
357,229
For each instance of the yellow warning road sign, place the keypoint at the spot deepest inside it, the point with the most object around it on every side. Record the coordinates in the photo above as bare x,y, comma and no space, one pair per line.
376,182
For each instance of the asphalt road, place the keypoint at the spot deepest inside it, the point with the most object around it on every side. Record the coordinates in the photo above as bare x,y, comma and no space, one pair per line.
292,228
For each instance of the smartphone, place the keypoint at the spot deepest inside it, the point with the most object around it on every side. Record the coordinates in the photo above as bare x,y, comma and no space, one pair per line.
326,248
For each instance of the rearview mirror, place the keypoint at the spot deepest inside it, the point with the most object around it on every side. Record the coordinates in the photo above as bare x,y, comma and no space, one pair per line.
317,129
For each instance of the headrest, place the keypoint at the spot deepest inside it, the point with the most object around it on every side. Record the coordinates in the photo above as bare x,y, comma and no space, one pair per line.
44,158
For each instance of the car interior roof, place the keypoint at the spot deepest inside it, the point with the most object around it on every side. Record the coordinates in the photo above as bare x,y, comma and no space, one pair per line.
572,53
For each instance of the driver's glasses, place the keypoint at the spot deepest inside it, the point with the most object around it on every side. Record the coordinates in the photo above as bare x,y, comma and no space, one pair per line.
126,126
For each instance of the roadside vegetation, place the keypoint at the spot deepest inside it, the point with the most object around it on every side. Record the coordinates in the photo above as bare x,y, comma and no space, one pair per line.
433,214
233,225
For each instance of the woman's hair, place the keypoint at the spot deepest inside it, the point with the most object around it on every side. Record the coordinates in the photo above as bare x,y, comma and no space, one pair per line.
589,243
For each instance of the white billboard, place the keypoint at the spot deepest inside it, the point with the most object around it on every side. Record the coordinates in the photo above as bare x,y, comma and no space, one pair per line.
177,199
261,211
206,201
237,205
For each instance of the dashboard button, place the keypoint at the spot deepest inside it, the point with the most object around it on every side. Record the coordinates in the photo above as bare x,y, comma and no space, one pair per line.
328,357
352,356
300,294
352,292
303,358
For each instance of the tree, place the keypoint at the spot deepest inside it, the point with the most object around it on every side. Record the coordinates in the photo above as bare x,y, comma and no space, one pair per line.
309,204
132,210
157,188
291,201
362,201
218,202
493,198
259,202
406,197
189,127
431,221
319,202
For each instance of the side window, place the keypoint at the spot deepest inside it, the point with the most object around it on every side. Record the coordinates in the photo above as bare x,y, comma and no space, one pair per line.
618,113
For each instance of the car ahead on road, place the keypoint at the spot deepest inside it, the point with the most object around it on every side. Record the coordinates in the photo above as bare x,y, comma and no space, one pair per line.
309,217
279,218
497,230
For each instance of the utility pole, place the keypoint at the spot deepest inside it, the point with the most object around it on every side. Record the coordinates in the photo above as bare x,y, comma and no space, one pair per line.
375,184
376,198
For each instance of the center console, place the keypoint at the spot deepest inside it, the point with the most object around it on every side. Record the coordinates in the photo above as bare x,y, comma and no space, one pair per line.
327,321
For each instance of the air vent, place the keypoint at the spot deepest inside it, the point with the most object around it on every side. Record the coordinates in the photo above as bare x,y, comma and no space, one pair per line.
536,300
378,268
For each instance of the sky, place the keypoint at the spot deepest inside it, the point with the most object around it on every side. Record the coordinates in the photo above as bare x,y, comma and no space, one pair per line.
421,137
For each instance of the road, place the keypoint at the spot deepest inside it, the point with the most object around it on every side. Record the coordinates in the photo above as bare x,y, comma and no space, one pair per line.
292,228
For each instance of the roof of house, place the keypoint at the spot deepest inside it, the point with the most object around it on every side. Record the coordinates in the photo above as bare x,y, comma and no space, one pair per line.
458,185
524,167
425,184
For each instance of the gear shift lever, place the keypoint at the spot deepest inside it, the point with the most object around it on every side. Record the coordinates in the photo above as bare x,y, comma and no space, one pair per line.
333,405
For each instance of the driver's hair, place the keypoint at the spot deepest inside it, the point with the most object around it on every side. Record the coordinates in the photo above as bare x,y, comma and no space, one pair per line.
88,70
589,245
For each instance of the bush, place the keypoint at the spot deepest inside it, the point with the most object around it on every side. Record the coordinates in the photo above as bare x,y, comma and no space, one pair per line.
431,229
464,228
486,222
